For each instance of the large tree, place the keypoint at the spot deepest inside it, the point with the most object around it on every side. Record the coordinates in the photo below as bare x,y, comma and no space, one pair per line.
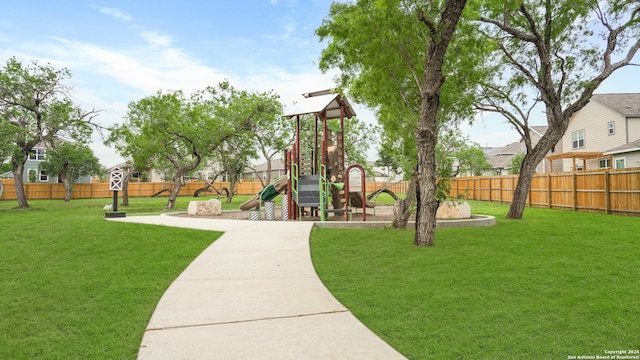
392,55
35,109
358,138
70,161
178,135
557,53
272,133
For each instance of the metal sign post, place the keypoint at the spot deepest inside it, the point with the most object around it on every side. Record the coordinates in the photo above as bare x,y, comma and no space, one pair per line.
115,185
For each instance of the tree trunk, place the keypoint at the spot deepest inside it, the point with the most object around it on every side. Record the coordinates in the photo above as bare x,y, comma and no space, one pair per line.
268,179
18,171
427,204
125,186
65,181
173,194
67,189
232,187
402,208
440,35
528,168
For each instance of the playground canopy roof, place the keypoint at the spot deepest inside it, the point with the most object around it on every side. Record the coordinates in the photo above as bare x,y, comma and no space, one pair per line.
316,103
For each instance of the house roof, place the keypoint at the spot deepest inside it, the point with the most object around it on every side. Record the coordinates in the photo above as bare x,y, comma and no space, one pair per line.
627,104
626,148
511,149
317,102
501,158
540,130
123,165
500,162
276,164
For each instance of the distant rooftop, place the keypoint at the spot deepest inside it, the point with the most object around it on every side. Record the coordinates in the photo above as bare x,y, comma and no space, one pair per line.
628,104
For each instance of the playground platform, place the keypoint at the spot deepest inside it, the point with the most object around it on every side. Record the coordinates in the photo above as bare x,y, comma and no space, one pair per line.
253,294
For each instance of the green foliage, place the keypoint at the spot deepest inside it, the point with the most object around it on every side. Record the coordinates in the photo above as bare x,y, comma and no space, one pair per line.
35,109
473,160
558,53
358,137
71,161
516,163
178,135
503,292
379,48
5,167
273,133
266,131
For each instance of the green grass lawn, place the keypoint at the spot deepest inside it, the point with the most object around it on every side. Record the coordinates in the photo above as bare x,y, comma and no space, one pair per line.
75,286
554,284
558,283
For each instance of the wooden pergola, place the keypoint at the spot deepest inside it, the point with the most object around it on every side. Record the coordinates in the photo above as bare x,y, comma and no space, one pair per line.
583,155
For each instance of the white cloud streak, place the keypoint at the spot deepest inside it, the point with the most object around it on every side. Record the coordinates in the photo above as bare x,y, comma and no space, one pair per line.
114,12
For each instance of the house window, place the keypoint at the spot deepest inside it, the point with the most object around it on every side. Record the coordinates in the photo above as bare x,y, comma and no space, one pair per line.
604,163
621,163
611,127
43,177
577,139
37,154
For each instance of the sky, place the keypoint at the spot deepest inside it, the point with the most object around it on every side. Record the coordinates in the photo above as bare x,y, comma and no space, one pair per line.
121,51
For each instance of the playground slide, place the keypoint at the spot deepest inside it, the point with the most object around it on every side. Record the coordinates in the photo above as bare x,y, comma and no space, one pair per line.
358,201
277,186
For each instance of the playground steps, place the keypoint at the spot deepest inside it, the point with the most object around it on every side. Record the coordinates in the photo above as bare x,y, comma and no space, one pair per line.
308,191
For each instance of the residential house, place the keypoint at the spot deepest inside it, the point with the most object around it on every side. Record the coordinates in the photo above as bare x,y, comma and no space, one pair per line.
501,158
260,171
603,134
152,175
33,174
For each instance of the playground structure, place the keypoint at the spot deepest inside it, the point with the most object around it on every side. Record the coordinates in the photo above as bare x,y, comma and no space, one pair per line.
318,182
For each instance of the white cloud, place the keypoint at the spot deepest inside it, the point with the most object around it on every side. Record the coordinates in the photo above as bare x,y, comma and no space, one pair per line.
148,70
114,12
157,39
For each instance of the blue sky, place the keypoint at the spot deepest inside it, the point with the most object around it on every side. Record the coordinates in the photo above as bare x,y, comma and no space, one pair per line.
121,51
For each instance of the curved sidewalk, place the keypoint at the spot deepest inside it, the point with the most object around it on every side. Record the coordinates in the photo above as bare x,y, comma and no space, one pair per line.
253,294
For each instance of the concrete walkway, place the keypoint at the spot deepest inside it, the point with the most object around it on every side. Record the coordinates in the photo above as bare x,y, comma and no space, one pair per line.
253,294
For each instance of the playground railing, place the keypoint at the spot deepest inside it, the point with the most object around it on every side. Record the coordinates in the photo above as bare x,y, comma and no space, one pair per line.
324,190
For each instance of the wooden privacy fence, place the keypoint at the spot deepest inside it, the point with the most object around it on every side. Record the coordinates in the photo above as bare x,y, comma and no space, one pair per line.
39,191
610,191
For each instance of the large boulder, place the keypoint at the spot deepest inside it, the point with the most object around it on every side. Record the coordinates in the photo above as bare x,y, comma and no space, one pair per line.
205,208
453,210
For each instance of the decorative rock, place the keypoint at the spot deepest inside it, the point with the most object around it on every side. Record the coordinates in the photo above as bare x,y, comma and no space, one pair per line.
453,210
205,208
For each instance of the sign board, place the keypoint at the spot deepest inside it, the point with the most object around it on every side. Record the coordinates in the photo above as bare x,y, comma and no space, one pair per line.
355,179
115,180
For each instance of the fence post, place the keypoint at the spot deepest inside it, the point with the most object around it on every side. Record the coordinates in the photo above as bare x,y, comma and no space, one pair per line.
607,190
466,184
513,187
575,191
549,192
